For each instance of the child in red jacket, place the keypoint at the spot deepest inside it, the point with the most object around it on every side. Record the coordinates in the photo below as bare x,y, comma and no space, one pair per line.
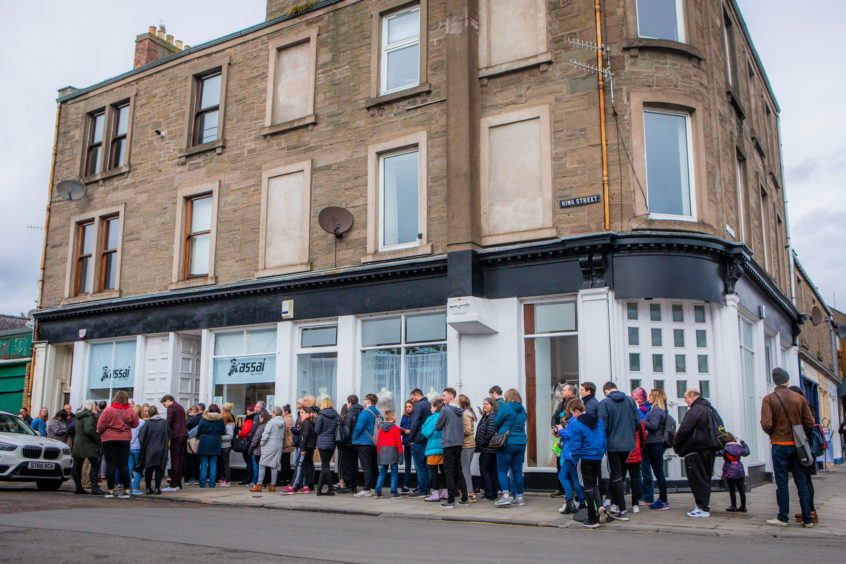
388,453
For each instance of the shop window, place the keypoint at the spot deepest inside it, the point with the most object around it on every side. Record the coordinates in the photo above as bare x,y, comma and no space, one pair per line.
401,353
317,363
634,336
634,362
111,367
678,313
244,367
551,349
747,371
669,165
655,312
660,19
657,339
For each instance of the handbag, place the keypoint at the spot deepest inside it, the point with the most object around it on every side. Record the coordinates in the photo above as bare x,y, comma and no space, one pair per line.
800,440
499,439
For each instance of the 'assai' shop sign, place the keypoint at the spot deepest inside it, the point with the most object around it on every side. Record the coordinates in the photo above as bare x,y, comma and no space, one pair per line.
583,201
244,369
118,377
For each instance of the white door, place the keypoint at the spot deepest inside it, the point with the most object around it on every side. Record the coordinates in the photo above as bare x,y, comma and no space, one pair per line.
156,369
189,370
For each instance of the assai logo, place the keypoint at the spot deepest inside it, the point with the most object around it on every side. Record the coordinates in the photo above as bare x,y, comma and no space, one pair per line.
246,367
117,373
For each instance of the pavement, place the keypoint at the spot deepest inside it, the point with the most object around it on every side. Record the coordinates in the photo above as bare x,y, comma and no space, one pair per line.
542,511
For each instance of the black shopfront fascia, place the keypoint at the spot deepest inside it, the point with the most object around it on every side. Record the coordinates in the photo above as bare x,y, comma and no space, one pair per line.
636,265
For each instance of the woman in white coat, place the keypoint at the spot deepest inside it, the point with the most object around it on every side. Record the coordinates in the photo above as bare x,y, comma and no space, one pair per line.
272,443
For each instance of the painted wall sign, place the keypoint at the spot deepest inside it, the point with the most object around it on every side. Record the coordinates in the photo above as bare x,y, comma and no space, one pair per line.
573,202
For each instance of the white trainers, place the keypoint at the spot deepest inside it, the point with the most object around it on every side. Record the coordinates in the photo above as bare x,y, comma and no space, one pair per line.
614,508
170,489
363,493
776,523
698,513
635,509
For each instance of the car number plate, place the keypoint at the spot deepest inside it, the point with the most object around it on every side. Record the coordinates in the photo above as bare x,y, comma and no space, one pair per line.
41,465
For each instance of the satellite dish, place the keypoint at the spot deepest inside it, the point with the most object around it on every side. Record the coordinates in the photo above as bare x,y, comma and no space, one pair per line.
841,331
335,220
816,315
70,189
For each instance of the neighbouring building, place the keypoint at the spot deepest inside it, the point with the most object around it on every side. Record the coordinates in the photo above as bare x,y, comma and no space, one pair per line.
15,358
504,229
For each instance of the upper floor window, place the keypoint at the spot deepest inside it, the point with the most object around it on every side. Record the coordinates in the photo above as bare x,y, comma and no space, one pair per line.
728,42
197,235
108,252
207,108
93,161
660,19
400,62
669,165
399,199
84,257
120,127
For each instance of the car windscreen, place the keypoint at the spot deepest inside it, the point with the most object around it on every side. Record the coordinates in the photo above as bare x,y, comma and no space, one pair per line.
12,424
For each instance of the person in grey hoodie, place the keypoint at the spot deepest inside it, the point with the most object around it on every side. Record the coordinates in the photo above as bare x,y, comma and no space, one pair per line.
619,415
451,426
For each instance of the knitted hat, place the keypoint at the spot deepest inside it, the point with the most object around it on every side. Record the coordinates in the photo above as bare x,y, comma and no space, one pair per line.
780,376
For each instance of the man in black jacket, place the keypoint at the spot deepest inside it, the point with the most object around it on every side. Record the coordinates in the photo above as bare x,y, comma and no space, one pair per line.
587,390
691,442
619,415
417,442
349,464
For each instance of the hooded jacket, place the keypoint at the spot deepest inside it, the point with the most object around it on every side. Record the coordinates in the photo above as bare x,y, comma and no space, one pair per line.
512,417
327,420
732,466
451,426
116,423
86,444
364,427
389,446
153,438
591,403
272,441
308,438
587,438
636,456
433,436
209,431
692,433
621,419
422,410
565,435
351,419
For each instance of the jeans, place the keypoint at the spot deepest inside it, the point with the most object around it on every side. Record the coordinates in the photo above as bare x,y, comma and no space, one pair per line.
406,475
490,479
785,461
135,476
383,469
208,470
255,470
116,454
655,454
466,461
569,480
418,452
510,458
647,492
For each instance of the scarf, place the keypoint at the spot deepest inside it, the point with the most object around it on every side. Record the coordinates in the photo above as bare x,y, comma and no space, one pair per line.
120,405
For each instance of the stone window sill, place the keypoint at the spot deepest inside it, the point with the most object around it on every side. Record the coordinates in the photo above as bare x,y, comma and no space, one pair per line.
105,295
422,249
216,146
290,125
734,100
663,45
425,88
542,60
193,282
106,174
289,269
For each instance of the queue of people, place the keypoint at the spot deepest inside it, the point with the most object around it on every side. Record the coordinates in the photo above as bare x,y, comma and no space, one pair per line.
629,433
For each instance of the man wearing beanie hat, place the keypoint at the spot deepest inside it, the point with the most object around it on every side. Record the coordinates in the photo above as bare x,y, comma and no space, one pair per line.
779,412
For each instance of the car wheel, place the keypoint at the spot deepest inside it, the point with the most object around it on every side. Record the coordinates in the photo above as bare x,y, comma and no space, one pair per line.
48,485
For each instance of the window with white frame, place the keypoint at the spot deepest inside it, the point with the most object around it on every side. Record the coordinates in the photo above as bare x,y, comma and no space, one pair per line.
669,165
244,367
728,42
399,194
660,19
111,367
741,190
747,372
400,50
317,363
401,353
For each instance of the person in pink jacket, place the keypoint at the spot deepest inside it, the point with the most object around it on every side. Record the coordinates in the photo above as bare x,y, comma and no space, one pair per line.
115,429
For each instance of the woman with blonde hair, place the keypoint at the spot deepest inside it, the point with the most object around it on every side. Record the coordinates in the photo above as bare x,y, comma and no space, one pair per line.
226,444
468,447
327,421
656,423
135,452
511,421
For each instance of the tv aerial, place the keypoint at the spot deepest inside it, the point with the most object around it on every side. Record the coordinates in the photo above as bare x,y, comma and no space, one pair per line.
70,189
336,221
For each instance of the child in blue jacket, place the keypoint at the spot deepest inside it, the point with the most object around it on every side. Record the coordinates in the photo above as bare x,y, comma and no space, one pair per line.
587,446
568,476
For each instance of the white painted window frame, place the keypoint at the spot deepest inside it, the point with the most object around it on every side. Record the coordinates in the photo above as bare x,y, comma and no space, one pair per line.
691,173
679,22
386,49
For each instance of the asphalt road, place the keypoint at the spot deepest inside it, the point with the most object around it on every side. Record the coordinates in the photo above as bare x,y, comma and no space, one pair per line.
61,527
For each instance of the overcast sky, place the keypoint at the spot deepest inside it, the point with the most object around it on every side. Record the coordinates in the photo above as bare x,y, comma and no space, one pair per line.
47,44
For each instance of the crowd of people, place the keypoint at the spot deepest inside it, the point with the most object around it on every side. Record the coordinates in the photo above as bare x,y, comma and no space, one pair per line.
439,439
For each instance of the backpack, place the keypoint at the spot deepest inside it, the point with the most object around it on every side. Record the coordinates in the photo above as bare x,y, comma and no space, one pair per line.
816,440
341,433
378,420
669,432
716,436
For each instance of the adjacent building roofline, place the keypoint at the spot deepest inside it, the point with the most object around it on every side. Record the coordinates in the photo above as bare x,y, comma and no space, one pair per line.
754,51
810,282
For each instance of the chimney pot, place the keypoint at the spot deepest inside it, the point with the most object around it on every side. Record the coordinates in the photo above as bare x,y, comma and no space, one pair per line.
170,39
152,30
160,34
179,44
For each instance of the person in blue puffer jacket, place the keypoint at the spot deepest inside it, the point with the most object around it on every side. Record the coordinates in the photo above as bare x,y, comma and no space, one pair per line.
511,419
434,453
587,445
568,476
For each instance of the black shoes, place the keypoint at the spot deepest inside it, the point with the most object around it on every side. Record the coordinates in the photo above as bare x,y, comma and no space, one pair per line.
80,491
149,491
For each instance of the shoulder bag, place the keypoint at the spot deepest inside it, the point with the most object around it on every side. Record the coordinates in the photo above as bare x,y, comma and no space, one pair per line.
800,439
499,439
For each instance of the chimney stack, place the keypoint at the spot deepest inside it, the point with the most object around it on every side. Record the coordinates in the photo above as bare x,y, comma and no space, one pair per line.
154,45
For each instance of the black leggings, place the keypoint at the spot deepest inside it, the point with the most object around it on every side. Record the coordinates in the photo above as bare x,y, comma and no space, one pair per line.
589,474
437,480
326,470
225,470
116,454
148,474
737,485
633,470
77,472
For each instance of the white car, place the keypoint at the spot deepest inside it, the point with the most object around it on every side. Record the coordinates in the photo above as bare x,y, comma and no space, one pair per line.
26,456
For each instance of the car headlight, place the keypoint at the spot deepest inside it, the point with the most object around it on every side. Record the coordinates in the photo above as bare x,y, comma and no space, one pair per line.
66,451
7,446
